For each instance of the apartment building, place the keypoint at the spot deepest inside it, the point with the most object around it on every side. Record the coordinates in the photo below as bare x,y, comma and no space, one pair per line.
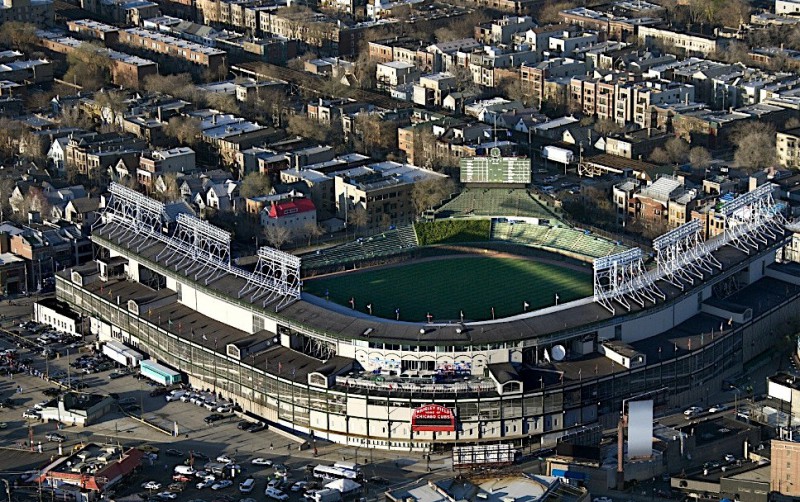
394,73
126,12
157,162
37,12
787,7
502,30
320,187
383,190
213,59
432,89
614,22
787,148
534,76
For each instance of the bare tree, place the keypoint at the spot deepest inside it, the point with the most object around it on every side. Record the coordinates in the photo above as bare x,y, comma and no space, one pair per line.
89,66
114,101
172,191
185,129
254,184
179,85
225,103
550,13
18,35
755,147
677,149
659,156
277,235
605,127
6,189
428,192
312,230
699,157
357,218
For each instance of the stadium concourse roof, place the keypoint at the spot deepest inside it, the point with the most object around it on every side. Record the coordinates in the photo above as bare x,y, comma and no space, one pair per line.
336,321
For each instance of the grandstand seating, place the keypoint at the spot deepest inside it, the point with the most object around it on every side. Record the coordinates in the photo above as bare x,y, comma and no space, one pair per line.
554,237
495,202
388,243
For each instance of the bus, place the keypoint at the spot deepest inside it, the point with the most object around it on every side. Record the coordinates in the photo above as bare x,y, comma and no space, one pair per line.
333,473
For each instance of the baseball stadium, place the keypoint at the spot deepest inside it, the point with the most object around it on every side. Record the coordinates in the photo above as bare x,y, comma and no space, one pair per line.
492,322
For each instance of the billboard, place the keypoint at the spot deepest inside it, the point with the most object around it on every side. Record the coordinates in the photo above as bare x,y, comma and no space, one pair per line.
495,169
490,454
433,417
640,428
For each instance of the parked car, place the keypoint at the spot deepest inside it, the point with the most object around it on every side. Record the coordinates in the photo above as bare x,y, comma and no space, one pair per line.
693,411
244,425
206,483
199,454
167,495
718,408
221,485
258,427
214,417
54,436
176,487
261,461
151,485
224,459
158,391
32,414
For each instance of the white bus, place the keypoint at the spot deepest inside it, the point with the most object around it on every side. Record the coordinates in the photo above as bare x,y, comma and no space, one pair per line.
348,466
333,473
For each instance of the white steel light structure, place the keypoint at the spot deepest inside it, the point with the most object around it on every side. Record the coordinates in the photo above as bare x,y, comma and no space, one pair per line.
682,257
276,277
197,248
622,277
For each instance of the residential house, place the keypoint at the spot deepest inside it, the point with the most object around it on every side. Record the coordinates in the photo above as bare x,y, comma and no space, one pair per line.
82,212
293,214
223,196
156,162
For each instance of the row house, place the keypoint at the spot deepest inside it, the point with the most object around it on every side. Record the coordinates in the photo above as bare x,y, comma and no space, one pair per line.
88,28
212,58
93,154
617,26
692,43
404,49
123,12
126,70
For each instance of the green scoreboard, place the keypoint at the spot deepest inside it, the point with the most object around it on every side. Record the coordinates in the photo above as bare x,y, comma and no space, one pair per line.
495,169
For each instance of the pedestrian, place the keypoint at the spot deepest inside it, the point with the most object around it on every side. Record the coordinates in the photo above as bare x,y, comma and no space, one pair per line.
39,447
271,447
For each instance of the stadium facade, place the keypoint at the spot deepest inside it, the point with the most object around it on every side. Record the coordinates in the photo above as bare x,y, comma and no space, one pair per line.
340,375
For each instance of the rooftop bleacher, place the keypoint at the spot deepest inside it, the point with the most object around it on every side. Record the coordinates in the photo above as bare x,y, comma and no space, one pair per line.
554,237
495,202
388,243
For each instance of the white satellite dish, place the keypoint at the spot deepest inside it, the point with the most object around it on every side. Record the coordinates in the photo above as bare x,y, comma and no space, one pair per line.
559,352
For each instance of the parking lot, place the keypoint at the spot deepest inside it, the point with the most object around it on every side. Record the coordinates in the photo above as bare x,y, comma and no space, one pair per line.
196,439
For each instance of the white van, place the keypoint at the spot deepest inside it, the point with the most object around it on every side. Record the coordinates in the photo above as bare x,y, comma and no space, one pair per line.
247,485
186,470
174,395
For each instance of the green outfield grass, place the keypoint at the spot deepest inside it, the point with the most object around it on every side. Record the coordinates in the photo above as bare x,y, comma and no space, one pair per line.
445,287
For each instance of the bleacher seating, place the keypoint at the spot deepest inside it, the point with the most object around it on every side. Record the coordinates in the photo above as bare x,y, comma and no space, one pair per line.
495,202
388,243
554,237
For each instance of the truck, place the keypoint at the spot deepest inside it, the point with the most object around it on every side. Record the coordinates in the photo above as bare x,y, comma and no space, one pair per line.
556,154
326,495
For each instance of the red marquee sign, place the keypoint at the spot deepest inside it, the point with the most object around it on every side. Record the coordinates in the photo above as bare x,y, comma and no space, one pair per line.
433,417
